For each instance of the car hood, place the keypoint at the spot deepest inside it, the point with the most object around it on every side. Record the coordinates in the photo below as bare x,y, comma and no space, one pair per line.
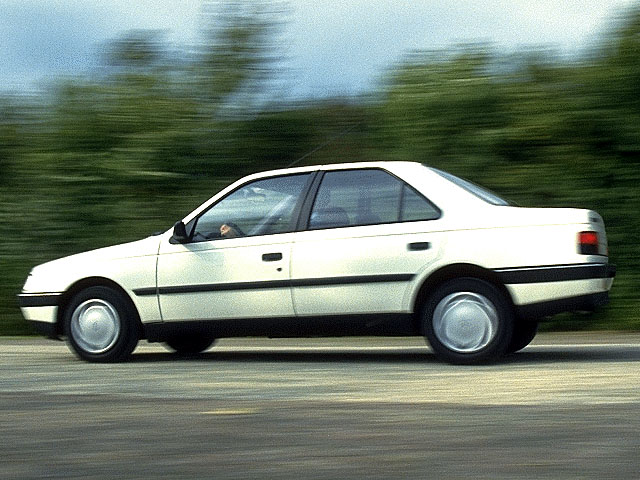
139,248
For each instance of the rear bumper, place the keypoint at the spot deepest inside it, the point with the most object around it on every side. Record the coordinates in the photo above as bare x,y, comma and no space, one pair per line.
556,273
544,291
582,303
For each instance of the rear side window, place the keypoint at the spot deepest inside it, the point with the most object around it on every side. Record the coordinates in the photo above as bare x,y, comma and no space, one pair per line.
367,197
480,192
414,206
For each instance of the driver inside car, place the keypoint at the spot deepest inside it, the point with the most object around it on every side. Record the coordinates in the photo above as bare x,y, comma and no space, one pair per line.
230,230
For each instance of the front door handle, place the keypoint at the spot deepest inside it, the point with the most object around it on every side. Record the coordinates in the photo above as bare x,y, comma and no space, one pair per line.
271,257
417,246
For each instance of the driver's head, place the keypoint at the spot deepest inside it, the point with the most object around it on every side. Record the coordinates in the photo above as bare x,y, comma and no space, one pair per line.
228,230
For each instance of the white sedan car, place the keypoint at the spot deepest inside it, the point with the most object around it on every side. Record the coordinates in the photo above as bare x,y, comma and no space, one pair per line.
379,248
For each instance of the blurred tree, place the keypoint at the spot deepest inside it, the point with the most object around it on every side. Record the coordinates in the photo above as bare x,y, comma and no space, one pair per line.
156,129
240,55
446,110
8,140
138,50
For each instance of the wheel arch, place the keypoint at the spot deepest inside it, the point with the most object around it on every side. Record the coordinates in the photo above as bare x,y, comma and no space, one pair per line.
450,272
84,283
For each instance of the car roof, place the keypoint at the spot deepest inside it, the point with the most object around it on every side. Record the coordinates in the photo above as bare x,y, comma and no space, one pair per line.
391,165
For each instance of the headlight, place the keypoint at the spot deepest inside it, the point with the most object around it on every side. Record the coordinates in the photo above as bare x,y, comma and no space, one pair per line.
28,282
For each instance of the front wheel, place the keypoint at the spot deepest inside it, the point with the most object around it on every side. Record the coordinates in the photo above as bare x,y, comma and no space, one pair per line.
101,325
468,320
190,344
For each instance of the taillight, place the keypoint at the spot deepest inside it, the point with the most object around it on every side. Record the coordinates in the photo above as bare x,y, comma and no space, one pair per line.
588,243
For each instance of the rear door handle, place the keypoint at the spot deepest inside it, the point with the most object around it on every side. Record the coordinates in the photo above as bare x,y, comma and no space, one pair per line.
417,246
271,257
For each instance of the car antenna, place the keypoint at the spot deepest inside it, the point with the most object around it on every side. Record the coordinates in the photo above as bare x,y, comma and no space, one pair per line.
331,140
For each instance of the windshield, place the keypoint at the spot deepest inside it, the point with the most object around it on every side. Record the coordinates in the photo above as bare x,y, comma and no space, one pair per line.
480,192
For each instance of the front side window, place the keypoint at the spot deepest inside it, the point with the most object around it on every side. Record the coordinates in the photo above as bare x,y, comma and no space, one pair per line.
367,197
261,207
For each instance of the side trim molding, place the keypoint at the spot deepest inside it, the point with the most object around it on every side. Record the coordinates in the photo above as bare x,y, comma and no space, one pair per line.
384,324
270,284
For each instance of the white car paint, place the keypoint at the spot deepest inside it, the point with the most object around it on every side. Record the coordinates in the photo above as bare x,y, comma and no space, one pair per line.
352,270
230,261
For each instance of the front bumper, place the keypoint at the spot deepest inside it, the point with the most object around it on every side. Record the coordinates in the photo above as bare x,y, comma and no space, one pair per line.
27,300
49,330
41,310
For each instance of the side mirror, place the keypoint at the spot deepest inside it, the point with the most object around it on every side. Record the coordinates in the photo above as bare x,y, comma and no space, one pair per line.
179,233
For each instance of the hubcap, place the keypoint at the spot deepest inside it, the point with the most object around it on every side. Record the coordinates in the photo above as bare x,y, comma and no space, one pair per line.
95,325
465,322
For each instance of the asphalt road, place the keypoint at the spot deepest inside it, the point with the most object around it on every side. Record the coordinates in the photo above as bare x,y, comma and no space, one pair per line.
567,407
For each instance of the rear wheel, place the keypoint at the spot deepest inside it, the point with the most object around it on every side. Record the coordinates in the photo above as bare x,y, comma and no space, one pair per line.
468,320
190,344
101,325
523,334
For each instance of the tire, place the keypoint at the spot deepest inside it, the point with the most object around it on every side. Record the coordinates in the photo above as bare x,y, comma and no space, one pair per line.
190,344
523,333
101,325
468,320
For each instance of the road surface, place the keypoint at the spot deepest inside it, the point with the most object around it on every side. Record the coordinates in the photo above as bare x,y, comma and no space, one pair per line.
566,407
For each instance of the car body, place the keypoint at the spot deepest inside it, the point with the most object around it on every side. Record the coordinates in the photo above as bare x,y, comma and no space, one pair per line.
372,248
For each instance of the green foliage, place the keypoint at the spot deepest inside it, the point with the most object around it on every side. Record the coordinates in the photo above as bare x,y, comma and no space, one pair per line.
154,132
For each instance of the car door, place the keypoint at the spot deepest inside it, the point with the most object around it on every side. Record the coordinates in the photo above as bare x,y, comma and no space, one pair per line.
242,274
367,236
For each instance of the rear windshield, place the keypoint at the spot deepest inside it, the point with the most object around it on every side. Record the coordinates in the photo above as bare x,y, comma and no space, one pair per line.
480,192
